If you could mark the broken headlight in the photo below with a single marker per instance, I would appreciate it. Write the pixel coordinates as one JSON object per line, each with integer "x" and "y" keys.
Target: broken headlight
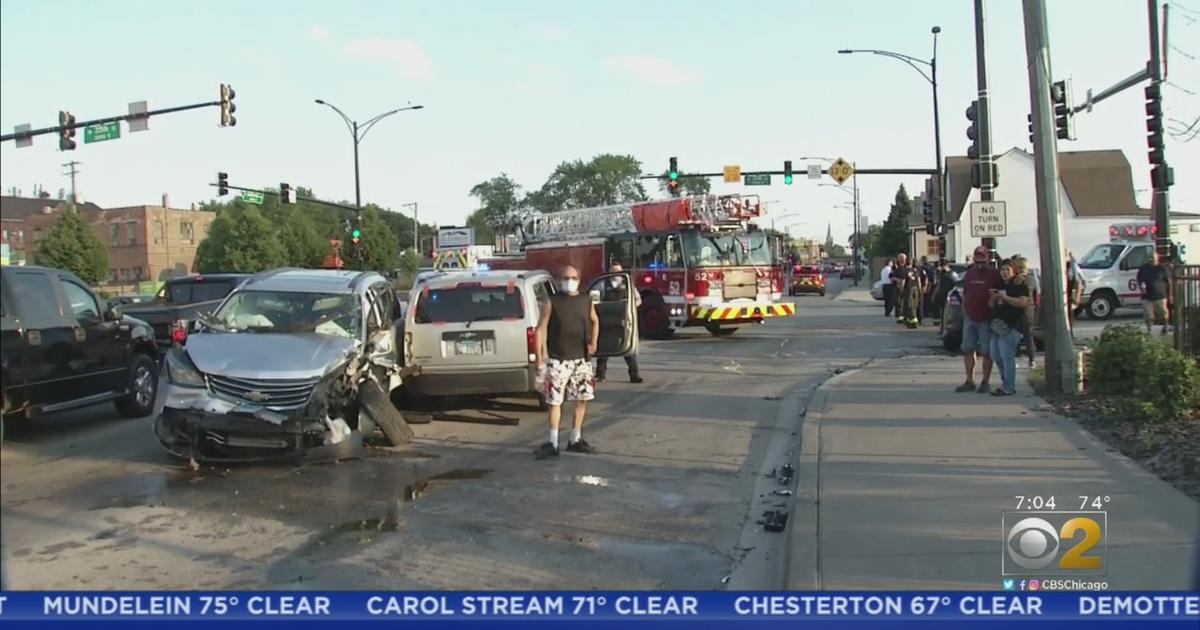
{"x": 181, "y": 371}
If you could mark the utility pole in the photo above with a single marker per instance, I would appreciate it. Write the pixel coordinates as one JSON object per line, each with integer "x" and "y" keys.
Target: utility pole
{"x": 983, "y": 113}
{"x": 857, "y": 259}
{"x": 1060, "y": 351}
{"x": 416, "y": 227}
{"x": 1160, "y": 173}
{"x": 72, "y": 172}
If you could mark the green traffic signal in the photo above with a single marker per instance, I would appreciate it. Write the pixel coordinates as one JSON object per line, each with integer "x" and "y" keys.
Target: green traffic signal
{"x": 787, "y": 179}
{"x": 356, "y": 234}
{"x": 674, "y": 175}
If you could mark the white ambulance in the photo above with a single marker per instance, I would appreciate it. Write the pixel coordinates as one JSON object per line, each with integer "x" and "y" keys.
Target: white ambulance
{"x": 1110, "y": 269}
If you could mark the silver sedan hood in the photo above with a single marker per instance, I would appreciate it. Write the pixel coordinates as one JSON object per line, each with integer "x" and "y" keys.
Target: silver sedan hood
{"x": 268, "y": 356}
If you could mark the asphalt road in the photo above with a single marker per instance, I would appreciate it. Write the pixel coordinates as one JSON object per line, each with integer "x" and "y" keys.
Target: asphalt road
{"x": 672, "y": 500}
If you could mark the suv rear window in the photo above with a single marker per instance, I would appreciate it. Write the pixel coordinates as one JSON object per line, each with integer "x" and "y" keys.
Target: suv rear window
{"x": 198, "y": 291}
{"x": 808, "y": 271}
{"x": 465, "y": 303}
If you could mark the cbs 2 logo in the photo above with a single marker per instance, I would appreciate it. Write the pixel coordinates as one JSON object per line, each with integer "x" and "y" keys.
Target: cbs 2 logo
{"x": 1033, "y": 543}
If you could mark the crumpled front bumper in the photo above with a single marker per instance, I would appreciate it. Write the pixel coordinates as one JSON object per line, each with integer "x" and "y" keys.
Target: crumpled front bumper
{"x": 194, "y": 424}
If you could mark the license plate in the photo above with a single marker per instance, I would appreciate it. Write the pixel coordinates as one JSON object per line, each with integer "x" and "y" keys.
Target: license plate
{"x": 468, "y": 347}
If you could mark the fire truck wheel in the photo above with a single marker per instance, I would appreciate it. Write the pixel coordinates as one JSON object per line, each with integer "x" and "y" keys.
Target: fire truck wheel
{"x": 654, "y": 324}
{"x": 718, "y": 331}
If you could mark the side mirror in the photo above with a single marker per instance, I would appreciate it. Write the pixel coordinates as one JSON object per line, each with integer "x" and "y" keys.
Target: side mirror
{"x": 114, "y": 312}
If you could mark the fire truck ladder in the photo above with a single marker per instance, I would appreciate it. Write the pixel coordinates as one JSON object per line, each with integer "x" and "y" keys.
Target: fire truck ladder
{"x": 602, "y": 221}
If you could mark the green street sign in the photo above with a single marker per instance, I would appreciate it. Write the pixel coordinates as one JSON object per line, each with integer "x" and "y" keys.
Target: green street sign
{"x": 102, "y": 132}
{"x": 250, "y": 196}
{"x": 758, "y": 180}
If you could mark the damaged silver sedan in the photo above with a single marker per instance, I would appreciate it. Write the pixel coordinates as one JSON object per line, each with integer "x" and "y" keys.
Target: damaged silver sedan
{"x": 293, "y": 361}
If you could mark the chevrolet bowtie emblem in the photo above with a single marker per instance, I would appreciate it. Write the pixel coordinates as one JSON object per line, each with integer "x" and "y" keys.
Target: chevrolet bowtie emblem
{"x": 258, "y": 396}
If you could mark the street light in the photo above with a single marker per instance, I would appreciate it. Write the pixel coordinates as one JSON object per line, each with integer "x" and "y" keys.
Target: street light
{"x": 931, "y": 77}
{"x": 358, "y": 132}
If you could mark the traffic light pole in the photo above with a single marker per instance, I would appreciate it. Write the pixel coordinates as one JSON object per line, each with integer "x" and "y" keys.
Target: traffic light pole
{"x": 983, "y": 112}
{"x": 1060, "y": 350}
{"x": 100, "y": 121}
{"x": 1161, "y": 202}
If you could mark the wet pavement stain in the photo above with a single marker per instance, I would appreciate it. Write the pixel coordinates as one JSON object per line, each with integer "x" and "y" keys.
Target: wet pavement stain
{"x": 462, "y": 473}
{"x": 63, "y": 546}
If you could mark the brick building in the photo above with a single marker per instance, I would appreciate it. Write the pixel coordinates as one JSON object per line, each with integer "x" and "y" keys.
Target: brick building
{"x": 144, "y": 243}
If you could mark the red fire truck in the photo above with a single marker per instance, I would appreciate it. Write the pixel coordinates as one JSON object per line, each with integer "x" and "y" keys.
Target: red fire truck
{"x": 697, "y": 261}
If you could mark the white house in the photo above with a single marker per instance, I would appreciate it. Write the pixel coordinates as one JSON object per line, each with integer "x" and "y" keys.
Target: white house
{"x": 1095, "y": 190}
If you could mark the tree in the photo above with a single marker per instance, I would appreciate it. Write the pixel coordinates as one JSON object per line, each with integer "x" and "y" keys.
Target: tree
{"x": 240, "y": 240}
{"x": 687, "y": 185}
{"x": 603, "y": 180}
{"x": 410, "y": 261}
{"x": 484, "y": 232}
{"x": 380, "y": 247}
{"x": 893, "y": 237}
{"x": 72, "y": 245}
{"x": 304, "y": 246}
{"x": 499, "y": 205}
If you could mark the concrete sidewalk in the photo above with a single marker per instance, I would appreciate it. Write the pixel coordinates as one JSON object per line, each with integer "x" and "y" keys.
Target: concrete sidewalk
{"x": 903, "y": 483}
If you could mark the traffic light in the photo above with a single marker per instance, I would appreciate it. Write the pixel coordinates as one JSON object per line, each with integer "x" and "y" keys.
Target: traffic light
{"x": 787, "y": 172}
{"x": 356, "y": 232}
{"x": 673, "y": 171}
{"x": 1031, "y": 142}
{"x": 1162, "y": 177}
{"x": 1154, "y": 126}
{"x": 222, "y": 184}
{"x": 227, "y": 107}
{"x": 286, "y": 194}
{"x": 973, "y": 130}
{"x": 1064, "y": 115}
{"x": 66, "y": 131}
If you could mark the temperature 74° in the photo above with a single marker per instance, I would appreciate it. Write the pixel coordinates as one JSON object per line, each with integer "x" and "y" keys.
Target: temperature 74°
{"x": 1095, "y": 503}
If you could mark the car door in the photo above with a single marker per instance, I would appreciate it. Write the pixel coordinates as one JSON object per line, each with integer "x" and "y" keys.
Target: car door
{"x": 103, "y": 348}
{"x": 617, "y": 311}
{"x": 1134, "y": 258}
{"x": 380, "y": 315}
{"x": 12, "y": 351}
{"x": 54, "y": 359}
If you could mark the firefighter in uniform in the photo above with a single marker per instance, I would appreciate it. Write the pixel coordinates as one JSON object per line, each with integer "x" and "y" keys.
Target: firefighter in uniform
{"x": 899, "y": 272}
{"x": 910, "y": 288}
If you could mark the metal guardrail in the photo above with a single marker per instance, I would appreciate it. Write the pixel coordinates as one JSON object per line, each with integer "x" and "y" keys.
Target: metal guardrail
{"x": 1187, "y": 310}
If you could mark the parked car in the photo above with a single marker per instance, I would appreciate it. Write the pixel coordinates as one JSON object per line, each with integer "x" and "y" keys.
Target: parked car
{"x": 174, "y": 309}
{"x": 847, "y": 272}
{"x": 293, "y": 359}
{"x": 475, "y": 333}
{"x": 63, "y": 347}
{"x": 877, "y": 290}
{"x": 807, "y": 279}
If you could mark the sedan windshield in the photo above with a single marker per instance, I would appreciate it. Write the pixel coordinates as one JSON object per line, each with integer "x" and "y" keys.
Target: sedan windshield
{"x": 1102, "y": 256}
{"x": 335, "y": 315}
{"x": 727, "y": 249}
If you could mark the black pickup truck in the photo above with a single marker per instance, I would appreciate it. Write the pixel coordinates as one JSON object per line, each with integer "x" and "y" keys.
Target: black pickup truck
{"x": 179, "y": 301}
{"x": 62, "y": 347}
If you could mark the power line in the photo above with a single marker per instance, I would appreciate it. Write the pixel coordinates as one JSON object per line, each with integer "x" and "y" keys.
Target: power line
{"x": 1183, "y": 52}
{"x": 1180, "y": 88}
{"x": 1184, "y": 8}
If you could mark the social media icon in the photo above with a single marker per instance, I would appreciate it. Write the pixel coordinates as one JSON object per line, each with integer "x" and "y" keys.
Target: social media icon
{"x": 1022, "y": 585}
{"x": 1008, "y": 584}
{"x": 1034, "y": 585}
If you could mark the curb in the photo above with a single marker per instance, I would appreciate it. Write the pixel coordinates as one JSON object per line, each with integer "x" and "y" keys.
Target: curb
{"x": 803, "y": 532}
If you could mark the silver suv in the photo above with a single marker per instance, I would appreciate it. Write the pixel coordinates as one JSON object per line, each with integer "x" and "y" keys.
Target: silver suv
{"x": 293, "y": 359}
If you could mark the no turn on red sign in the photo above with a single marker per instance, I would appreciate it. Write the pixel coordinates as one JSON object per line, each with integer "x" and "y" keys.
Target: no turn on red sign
{"x": 989, "y": 219}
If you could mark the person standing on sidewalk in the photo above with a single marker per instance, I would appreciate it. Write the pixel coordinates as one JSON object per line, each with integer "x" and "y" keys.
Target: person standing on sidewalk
{"x": 928, "y": 280}
{"x": 614, "y": 291}
{"x": 1009, "y": 302}
{"x": 978, "y": 283}
{"x": 1154, "y": 279}
{"x": 889, "y": 289}
{"x": 1030, "y": 316}
{"x": 942, "y": 288}
{"x": 1076, "y": 287}
{"x": 910, "y": 289}
{"x": 899, "y": 273}
{"x": 567, "y": 336}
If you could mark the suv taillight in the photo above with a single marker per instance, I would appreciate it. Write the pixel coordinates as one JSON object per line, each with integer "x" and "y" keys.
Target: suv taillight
{"x": 179, "y": 332}
{"x": 531, "y": 343}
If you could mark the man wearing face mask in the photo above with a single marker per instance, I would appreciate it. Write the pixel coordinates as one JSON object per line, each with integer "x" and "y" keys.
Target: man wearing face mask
{"x": 567, "y": 336}
{"x": 614, "y": 291}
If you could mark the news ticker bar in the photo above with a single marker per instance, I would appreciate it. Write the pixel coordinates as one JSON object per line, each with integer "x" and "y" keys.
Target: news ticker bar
{"x": 646, "y": 606}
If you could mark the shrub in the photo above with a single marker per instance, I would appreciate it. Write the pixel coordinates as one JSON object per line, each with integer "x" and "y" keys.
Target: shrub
{"x": 1155, "y": 381}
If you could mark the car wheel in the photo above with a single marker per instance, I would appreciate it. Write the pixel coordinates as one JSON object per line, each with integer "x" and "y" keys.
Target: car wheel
{"x": 822, "y": 292}
{"x": 142, "y": 388}
{"x": 374, "y": 402}
{"x": 1101, "y": 306}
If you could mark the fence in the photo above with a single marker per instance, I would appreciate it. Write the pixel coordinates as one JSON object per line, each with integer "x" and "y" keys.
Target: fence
{"x": 1187, "y": 310}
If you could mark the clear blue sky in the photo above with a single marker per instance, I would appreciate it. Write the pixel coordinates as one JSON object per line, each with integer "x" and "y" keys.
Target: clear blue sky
{"x": 519, "y": 86}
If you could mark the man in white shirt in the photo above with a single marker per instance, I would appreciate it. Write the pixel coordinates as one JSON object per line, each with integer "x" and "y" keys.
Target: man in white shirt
{"x": 889, "y": 289}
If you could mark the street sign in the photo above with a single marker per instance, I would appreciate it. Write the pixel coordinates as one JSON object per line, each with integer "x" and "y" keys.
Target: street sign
{"x": 140, "y": 121}
{"x": 989, "y": 219}
{"x": 252, "y": 196}
{"x": 733, "y": 173}
{"x": 24, "y": 141}
{"x": 102, "y": 132}
{"x": 840, "y": 171}
{"x": 814, "y": 171}
{"x": 758, "y": 180}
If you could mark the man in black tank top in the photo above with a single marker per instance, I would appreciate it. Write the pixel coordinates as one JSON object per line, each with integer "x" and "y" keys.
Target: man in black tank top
{"x": 567, "y": 336}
